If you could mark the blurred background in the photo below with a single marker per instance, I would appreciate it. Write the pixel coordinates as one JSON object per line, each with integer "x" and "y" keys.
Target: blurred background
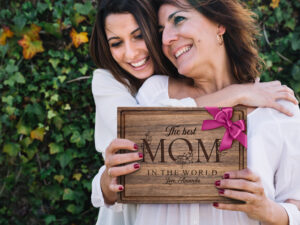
{"x": 47, "y": 158}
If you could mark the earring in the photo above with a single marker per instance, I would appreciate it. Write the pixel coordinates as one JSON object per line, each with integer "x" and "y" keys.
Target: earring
{"x": 220, "y": 39}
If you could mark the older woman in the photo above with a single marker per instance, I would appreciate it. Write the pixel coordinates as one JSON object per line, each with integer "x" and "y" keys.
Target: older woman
{"x": 213, "y": 42}
{"x": 124, "y": 42}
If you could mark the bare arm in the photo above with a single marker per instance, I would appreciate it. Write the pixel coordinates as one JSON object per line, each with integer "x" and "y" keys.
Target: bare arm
{"x": 253, "y": 95}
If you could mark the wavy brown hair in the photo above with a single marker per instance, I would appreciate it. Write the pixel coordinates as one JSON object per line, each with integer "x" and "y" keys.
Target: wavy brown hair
{"x": 240, "y": 38}
{"x": 145, "y": 14}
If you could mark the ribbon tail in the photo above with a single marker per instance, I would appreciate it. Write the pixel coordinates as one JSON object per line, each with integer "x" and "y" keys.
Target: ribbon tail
{"x": 226, "y": 142}
{"x": 210, "y": 124}
{"x": 242, "y": 138}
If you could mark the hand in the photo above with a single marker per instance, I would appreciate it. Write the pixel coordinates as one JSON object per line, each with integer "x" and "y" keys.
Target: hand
{"x": 266, "y": 94}
{"x": 246, "y": 186}
{"x": 115, "y": 168}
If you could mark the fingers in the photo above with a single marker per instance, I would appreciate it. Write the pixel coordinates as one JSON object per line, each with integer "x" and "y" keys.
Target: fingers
{"x": 232, "y": 207}
{"x": 117, "y": 159}
{"x": 285, "y": 88}
{"x": 114, "y": 187}
{"x": 123, "y": 170}
{"x": 286, "y": 96}
{"x": 246, "y": 174}
{"x": 239, "y": 184}
{"x": 283, "y": 92}
{"x": 118, "y": 144}
{"x": 238, "y": 195}
{"x": 281, "y": 109}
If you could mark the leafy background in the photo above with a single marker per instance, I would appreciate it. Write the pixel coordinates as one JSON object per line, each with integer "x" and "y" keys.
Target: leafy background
{"x": 47, "y": 158}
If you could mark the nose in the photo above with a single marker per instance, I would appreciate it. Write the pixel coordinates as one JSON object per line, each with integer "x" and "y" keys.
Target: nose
{"x": 131, "y": 50}
{"x": 169, "y": 36}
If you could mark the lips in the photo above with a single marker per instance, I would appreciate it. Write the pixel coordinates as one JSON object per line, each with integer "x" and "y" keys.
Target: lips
{"x": 182, "y": 50}
{"x": 139, "y": 63}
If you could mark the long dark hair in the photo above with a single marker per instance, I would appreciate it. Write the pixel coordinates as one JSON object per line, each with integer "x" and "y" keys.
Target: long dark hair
{"x": 240, "y": 37}
{"x": 145, "y": 14}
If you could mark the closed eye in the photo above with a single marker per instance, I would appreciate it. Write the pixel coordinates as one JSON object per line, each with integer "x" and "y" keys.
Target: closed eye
{"x": 116, "y": 44}
{"x": 140, "y": 36}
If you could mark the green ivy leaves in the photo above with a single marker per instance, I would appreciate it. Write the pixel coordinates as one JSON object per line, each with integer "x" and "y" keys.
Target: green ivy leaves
{"x": 47, "y": 155}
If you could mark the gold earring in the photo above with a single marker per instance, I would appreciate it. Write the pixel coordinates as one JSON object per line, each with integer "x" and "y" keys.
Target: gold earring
{"x": 220, "y": 39}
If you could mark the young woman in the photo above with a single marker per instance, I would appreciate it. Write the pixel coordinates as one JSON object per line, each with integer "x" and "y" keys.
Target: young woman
{"x": 125, "y": 43}
{"x": 201, "y": 39}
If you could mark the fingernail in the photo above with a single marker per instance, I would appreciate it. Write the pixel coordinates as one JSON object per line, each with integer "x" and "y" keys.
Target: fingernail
{"x": 121, "y": 188}
{"x": 218, "y": 183}
{"x": 221, "y": 191}
{"x": 215, "y": 204}
{"x": 136, "y": 166}
{"x": 226, "y": 176}
{"x": 135, "y": 146}
{"x": 140, "y": 155}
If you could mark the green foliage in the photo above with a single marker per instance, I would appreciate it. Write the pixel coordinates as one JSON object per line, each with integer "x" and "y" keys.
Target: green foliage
{"x": 280, "y": 41}
{"x": 47, "y": 158}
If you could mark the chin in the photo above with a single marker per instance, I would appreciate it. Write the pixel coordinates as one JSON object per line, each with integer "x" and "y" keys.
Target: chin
{"x": 143, "y": 75}
{"x": 186, "y": 69}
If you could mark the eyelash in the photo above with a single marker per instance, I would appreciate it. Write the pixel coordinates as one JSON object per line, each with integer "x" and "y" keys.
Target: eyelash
{"x": 178, "y": 19}
{"x": 117, "y": 44}
{"x": 140, "y": 36}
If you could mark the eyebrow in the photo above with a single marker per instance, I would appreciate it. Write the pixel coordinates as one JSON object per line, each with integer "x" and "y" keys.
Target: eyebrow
{"x": 134, "y": 31}
{"x": 173, "y": 14}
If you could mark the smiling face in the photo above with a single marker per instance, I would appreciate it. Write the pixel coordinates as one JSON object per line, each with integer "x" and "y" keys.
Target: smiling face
{"x": 189, "y": 38}
{"x": 127, "y": 45}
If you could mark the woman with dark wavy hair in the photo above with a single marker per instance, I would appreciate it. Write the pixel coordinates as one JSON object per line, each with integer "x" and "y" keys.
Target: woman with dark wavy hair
{"x": 125, "y": 44}
{"x": 213, "y": 42}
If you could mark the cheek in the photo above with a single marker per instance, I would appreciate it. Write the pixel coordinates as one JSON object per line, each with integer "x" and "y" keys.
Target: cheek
{"x": 116, "y": 54}
{"x": 166, "y": 52}
{"x": 141, "y": 45}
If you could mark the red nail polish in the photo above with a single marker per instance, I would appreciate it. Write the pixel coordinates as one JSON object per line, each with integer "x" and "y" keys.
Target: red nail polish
{"x": 141, "y": 155}
{"x": 218, "y": 183}
{"x": 136, "y": 166}
{"x": 135, "y": 146}
{"x": 215, "y": 204}
{"x": 221, "y": 191}
{"x": 120, "y": 188}
{"x": 226, "y": 176}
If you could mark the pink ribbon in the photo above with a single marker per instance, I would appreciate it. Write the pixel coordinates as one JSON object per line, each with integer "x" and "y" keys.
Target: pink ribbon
{"x": 234, "y": 130}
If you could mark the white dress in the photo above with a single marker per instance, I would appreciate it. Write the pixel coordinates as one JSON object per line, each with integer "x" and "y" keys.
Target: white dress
{"x": 273, "y": 153}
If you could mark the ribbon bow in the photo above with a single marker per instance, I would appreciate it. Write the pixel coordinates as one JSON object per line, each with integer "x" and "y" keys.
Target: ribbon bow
{"x": 234, "y": 130}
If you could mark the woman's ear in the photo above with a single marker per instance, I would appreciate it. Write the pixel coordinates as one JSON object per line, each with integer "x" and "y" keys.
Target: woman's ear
{"x": 221, "y": 29}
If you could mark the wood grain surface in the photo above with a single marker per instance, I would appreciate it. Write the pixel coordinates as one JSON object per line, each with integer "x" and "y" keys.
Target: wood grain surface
{"x": 181, "y": 162}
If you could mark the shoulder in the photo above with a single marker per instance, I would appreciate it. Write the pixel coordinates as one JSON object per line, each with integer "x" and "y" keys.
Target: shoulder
{"x": 154, "y": 88}
{"x": 155, "y": 82}
{"x": 104, "y": 82}
{"x": 102, "y": 75}
{"x": 268, "y": 116}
